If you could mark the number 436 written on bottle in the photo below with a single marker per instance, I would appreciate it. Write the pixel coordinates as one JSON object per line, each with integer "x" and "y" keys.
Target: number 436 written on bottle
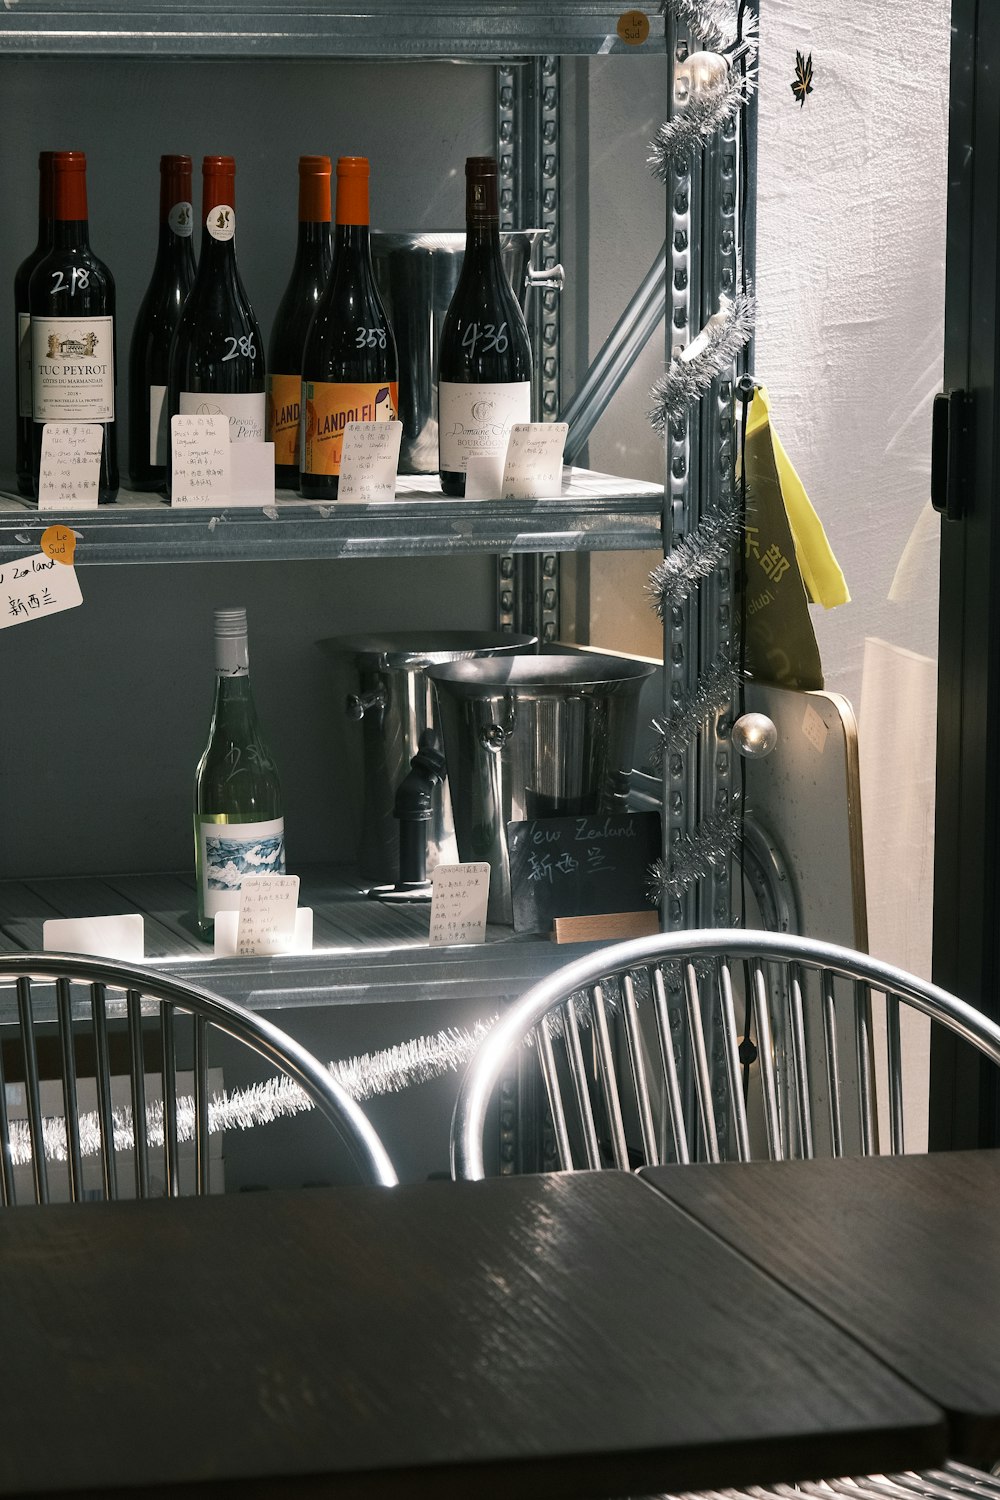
{"x": 494, "y": 338}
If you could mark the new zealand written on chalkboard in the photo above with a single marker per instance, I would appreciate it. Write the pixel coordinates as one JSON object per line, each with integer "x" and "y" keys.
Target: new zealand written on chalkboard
{"x": 580, "y": 866}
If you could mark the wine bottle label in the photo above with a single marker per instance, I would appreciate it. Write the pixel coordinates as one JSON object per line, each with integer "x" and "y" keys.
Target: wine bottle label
{"x": 231, "y": 656}
{"x": 72, "y": 369}
{"x": 284, "y": 397}
{"x": 221, "y": 222}
{"x": 23, "y": 365}
{"x": 181, "y": 220}
{"x": 245, "y": 411}
{"x": 476, "y": 420}
{"x": 330, "y": 405}
{"x": 158, "y": 428}
{"x": 231, "y": 851}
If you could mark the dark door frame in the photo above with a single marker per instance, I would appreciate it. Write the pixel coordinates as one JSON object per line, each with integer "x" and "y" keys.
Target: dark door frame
{"x": 965, "y": 1101}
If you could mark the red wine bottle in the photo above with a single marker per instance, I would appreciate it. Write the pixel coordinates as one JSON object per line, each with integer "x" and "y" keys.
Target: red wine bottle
{"x": 310, "y": 274}
{"x": 484, "y": 367}
{"x": 22, "y": 330}
{"x": 216, "y": 365}
{"x": 350, "y": 371}
{"x": 71, "y": 301}
{"x": 158, "y": 316}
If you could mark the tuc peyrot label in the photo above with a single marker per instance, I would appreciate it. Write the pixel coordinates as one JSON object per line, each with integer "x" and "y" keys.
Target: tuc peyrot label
{"x": 284, "y": 395}
{"x": 330, "y": 405}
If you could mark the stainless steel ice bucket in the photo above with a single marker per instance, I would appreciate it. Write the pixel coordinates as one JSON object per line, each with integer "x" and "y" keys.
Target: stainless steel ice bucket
{"x": 528, "y": 737}
{"x": 385, "y": 688}
{"x": 417, "y": 274}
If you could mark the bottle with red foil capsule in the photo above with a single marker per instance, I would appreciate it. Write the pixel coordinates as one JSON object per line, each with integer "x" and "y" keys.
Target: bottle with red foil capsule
{"x": 310, "y": 274}
{"x": 71, "y": 302}
{"x": 350, "y": 371}
{"x": 22, "y": 331}
{"x": 216, "y": 362}
{"x": 158, "y": 316}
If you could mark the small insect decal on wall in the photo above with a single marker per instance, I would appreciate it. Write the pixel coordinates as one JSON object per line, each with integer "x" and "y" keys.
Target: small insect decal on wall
{"x": 803, "y": 84}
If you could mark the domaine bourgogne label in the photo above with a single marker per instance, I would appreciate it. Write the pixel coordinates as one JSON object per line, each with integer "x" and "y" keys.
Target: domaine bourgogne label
{"x": 72, "y": 369}
{"x": 475, "y": 420}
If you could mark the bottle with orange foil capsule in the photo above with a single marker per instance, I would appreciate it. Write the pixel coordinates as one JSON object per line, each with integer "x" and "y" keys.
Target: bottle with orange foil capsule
{"x": 310, "y": 274}
{"x": 350, "y": 370}
{"x": 216, "y": 364}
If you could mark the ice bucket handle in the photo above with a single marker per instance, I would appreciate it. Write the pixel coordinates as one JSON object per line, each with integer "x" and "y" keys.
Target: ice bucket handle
{"x": 356, "y": 705}
{"x": 494, "y": 736}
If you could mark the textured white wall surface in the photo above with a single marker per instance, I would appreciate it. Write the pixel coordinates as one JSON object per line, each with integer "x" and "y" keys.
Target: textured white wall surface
{"x": 850, "y": 276}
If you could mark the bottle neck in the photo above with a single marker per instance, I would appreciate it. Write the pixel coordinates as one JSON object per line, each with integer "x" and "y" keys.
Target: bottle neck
{"x": 353, "y": 241}
{"x": 232, "y": 658}
{"x": 313, "y": 243}
{"x": 70, "y": 234}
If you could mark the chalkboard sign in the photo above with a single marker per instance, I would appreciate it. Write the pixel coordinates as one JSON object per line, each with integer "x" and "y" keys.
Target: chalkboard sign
{"x": 580, "y": 866}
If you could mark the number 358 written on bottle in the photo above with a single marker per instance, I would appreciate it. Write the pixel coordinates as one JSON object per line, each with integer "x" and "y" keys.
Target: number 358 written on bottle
{"x": 369, "y": 338}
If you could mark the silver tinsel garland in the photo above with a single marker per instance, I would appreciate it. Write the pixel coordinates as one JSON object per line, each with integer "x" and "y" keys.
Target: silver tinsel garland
{"x": 695, "y": 856}
{"x": 714, "y": 21}
{"x": 712, "y": 693}
{"x": 708, "y": 357}
{"x": 706, "y": 111}
{"x": 698, "y": 555}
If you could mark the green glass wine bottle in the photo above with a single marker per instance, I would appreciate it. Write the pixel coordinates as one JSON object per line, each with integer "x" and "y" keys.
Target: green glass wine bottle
{"x": 239, "y": 827}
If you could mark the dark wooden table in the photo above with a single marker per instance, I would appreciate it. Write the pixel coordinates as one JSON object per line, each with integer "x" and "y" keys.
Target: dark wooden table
{"x": 557, "y": 1335}
{"x": 903, "y": 1253}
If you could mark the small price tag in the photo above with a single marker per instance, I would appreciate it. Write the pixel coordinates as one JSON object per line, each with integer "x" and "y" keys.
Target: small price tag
{"x": 484, "y": 476}
{"x": 533, "y": 466}
{"x": 369, "y": 460}
{"x": 459, "y": 895}
{"x": 199, "y": 460}
{"x": 267, "y": 914}
{"x": 69, "y": 473}
{"x": 31, "y": 587}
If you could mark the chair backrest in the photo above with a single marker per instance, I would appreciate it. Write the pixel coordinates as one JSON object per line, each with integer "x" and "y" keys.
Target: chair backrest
{"x": 645, "y": 1050}
{"x": 66, "y": 1017}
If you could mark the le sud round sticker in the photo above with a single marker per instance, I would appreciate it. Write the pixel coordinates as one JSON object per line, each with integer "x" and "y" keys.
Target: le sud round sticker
{"x": 41, "y": 584}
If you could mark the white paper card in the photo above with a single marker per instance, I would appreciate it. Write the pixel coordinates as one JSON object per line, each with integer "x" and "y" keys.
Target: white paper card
{"x": 533, "y": 466}
{"x": 227, "y": 924}
{"x": 369, "y": 460}
{"x": 69, "y": 473}
{"x": 266, "y": 914}
{"x": 251, "y": 473}
{"x": 200, "y": 473}
{"x": 484, "y": 476}
{"x": 31, "y": 587}
{"x": 459, "y": 894}
{"x": 119, "y": 937}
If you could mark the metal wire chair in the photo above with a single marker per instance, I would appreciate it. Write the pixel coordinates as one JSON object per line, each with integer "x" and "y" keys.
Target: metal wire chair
{"x": 627, "y": 1038}
{"x": 640, "y": 1053}
{"x": 61, "y": 1012}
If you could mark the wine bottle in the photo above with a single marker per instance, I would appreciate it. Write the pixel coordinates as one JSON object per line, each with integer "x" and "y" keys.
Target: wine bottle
{"x": 238, "y": 823}
{"x": 350, "y": 370}
{"x": 484, "y": 367}
{"x": 22, "y": 364}
{"x": 158, "y": 315}
{"x": 71, "y": 302}
{"x": 216, "y": 363}
{"x": 310, "y": 273}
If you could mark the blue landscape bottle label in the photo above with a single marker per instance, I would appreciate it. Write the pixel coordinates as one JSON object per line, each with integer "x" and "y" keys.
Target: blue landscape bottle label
{"x": 230, "y": 852}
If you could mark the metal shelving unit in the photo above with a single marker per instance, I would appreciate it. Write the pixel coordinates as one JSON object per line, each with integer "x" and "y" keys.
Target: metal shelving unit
{"x": 393, "y": 30}
{"x": 594, "y": 512}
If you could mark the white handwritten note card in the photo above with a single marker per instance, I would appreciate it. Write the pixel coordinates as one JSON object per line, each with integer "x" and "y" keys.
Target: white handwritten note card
{"x": 69, "y": 473}
{"x": 251, "y": 473}
{"x": 31, "y": 587}
{"x": 533, "y": 466}
{"x": 459, "y": 894}
{"x": 484, "y": 476}
{"x": 369, "y": 460}
{"x": 107, "y": 937}
{"x": 267, "y": 914}
{"x": 199, "y": 460}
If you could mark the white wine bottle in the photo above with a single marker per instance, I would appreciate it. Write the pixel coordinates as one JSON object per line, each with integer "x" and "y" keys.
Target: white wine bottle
{"x": 239, "y": 827}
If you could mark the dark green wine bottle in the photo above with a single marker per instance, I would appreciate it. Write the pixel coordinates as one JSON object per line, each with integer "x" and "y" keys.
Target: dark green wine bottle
{"x": 350, "y": 371}
{"x": 239, "y": 824}
{"x": 484, "y": 368}
{"x": 22, "y": 365}
{"x": 158, "y": 316}
{"x": 71, "y": 302}
{"x": 310, "y": 274}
